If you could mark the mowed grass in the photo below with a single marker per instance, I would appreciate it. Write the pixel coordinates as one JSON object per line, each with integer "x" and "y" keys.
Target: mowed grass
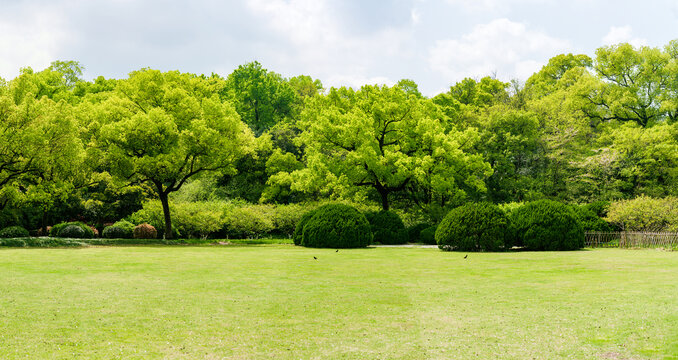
{"x": 277, "y": 302}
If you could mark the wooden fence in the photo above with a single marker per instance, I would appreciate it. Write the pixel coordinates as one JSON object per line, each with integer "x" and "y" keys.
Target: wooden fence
{"x": 626, "y": 239}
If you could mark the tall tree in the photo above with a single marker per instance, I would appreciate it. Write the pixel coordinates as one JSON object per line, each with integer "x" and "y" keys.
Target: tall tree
{"x": 384, "y": 140}
{"x": 165, "y": 128}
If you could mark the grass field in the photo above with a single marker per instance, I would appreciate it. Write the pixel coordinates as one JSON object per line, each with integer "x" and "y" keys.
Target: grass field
{"x": 277, "y": 302}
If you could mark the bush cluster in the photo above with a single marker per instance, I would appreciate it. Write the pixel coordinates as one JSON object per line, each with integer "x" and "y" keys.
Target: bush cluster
{"x": 428, "y": 235}
{"x": 85, "y": 231}
{"x": 336, "y": 226}
{"x": 589, "y": 219}
{"x": 547, "y": 225}
{"x": 387, "y": 228}
{"x": 474, "y": 227}
{"x": 414, "y": 231}
{"x": 14, "y": 232}
{"x": 145, "y": 231}
{"x": 120, "y": 230}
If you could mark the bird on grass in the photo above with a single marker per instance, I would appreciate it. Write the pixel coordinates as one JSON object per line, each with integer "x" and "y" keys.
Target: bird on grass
{"x": 315, "y": 258}
{"x": 337, "y": 250}
{"x": 465, "y": 256}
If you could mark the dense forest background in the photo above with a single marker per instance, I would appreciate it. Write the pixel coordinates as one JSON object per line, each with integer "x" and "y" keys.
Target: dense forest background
{"x": 206, "y": 147}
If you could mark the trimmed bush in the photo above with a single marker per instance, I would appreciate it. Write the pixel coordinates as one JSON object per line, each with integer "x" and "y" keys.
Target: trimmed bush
{"x": 299, "y": 231}
{"x": 336, "y": 226}
{"x": 120, "y": 230}
{"x": 589, "y": 220}
{"x": 473, "y": 227}
{"x": 13, "y": 232}
{"x": 55, "y": 231}
{"x": 145, "y": 231}
{"x": 414, "y": 231}
{"x": 387, "y": 228}
{"x": 13, "y": 242}
{"x": 73, "y": 231}
{"x": 547, "y": 225}
{"x": 428, "y": 235}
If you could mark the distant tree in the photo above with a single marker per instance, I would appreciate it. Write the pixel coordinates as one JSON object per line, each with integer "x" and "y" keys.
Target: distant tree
{"x": 261, "y": 97}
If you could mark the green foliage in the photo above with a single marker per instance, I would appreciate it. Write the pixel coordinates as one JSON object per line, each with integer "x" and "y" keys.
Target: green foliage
{"x": 414, "y": 231}
{"x": 380, "y": 141}
{"x": 336, "y": 226}
{"x": 120, "y": 230}
{"x": 13, "y": 232}
{"x": 589, "y": 219}
{"x": 249, "y": 221}
{"x": 299, "y": 230}
{"x": 428, "y": 235}
{"x": 387, "y": 228}
{"x": 72, "y": 231}
{"x": 474, "y": 227}
{"x": 84, "y": 232}
{"x": 190, "y": 219}
{"x": 145, "y": 231}
{"x": 12, "y": 242}
{"x": 547, "y": 225}
{"x": 645, "y": 213}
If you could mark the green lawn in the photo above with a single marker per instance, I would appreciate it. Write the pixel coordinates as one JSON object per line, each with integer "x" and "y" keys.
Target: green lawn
{"x": 277, "y": 302}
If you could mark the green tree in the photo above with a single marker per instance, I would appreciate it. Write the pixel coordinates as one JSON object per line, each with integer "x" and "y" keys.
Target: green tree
{"x": 261, "y": 97}
{"x": 382, "y": 139}
{"x": 165, "y": 128}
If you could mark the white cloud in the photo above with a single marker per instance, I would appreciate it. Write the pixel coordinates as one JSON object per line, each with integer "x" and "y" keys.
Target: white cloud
{"x": 492, "y": 5}
{"x": 323, "y": 47}
{"x": 622, "y": 34}
{"x": 508, "y": 48}
{"x": 31, "y": 40}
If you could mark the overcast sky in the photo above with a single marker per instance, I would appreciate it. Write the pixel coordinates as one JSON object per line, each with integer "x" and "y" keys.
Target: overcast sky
{"x": 347, "y": 42}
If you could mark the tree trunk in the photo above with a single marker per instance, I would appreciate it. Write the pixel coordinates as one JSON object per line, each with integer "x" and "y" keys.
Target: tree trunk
{"x": 384, "y": 199}
{"x": 164, "y": 199}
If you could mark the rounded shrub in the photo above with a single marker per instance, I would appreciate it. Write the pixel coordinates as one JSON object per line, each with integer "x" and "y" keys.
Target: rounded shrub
{"x": 144, "y": 231}
{"x": 428, "y": 235}
{"x": 547, "y": 225}
{"x": 299, "y": 230}
{"x": 473, "y": 227}
{"x": 414, "y": 231}
{"x": 387, "y": 228}
{"x": 14, "y": 232}
{"x": 13, "y": 242}
{"x": 589, "y": 220}
{"x": 120, "y": 230}
{"x": 336, "y": 226}
{"x": 56, "y": 230}
{"x": 73, "y": 231}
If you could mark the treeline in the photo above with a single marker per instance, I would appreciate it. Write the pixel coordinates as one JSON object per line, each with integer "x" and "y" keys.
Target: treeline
{"x": 578, "y": 131}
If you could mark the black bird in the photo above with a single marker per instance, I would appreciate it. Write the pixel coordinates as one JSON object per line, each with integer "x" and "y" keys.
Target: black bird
{"x": 466, "y": 256}
{"x": 337, "y": 250}
{"x": 315, "y": 258}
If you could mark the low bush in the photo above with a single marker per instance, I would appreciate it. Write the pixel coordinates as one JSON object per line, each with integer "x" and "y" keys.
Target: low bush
{"x": 13, "y": 242}
{"x": 589, "y": 220}
{"x": 645, "y": 214}
{"x": 120, "y": 230}
{"x": 13, "y": 232}
{"x": 428, "y": 235}
{"x": 299, "y": 231}
{"x": 248, "y": 221}
{"x": 73, "y": 231}
{"x": 547, "y": 225}
{"x": 387, "y": 228}
{"x": 145, "y": 231}
{"x": 473, "y": 227}
{"x": 336, "y": 226}
{"x": 56, "y": 230}
{"x": 414, "y": 231}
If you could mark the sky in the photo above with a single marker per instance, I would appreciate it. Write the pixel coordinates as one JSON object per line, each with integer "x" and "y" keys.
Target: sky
{"x": 342, "y": 43}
